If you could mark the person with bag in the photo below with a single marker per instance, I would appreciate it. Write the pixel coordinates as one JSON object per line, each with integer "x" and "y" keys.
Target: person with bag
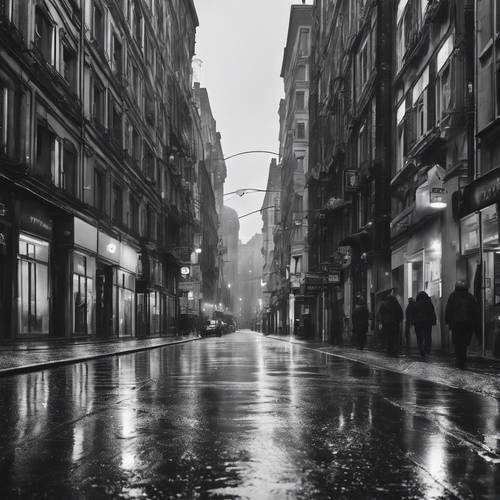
{"x": 423, "y": 319}
{"x": 360, "y": 322}
{"x": 462, "y": 316}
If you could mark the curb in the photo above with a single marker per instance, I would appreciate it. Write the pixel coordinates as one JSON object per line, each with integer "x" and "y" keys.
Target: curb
{"x": 485, "y": 385}
{"x": 44, "y": 365}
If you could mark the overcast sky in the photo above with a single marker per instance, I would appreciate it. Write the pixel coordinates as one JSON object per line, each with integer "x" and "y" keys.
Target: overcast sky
{"x": 240, "y": 43}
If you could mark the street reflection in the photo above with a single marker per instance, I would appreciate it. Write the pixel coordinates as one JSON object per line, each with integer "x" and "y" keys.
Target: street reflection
{"x": 242, "y": 416}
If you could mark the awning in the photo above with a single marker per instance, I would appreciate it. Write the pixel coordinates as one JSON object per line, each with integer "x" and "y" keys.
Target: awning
{"x": 356, "y": 239}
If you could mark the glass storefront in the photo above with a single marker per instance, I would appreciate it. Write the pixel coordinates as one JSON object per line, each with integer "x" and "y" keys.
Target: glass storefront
{"x": 83, "y": 294}
{"x": 155, "y": 312}
{"x": 488, "y": 278}
{"x": 125, "y": 284}
{"x": 33, "y": 285}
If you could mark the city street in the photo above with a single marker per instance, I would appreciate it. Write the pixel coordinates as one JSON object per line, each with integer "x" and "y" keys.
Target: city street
{"x": 242, "y": 416}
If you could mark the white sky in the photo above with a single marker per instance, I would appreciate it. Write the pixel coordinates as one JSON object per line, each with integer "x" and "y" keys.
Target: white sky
{"x": 240, "y": 43}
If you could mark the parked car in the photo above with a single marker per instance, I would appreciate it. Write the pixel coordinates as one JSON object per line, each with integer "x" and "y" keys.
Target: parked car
{"x": 209, "y": 328}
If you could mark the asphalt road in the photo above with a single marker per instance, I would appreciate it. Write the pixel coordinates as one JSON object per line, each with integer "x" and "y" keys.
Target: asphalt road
{"x": 242, "y": 416}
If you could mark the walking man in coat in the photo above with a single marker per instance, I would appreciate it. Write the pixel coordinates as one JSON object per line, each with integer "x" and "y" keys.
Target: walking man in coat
{"x": 391, "y": 315}
{"x": 461, "y": 315}
{"x": 423, "y": 318}
{"x": 360, "y": 322}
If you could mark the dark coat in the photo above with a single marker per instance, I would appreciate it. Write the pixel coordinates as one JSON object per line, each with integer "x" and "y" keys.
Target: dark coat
{"x": 409, "y": 312}
{"x": 360, "y": 317}
{"x": 462, "y": 310}
{"x": 423, "y": 314}
{"x": 390, "y": 311}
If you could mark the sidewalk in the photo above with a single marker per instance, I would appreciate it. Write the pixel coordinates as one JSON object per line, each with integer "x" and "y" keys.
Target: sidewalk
{"x": 481, "y": 376}
{"x": 20, "y": 357}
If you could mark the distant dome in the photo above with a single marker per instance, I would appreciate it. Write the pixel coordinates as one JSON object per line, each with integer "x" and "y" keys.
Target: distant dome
{"x": 230, "y": 219}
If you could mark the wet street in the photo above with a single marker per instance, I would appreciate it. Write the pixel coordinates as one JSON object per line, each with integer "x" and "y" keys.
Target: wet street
{"x": 242, "y": 416}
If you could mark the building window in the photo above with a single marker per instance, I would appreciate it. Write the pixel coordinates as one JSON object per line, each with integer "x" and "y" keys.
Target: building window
{"x": 364, "y": 64}
{"x": 117, "y": 55}
{"x": 68, "y": 62}
{"x": 115, "y": 122}
{"x": 149, "y": 163}
{"x": 98, "y": 105}
{"x": 83, "y": 294}
{"x": 98, "y": 24}
{"x": 301, "y": 130}
{"x": 301, "y": 72}
{"x": 117, "y": 204}
{"x": 44, "y": 34}
{"x": 137, "y": 28}
{"x": 150, "y": 109}
{"x": 444, "y": 68}
{"x": 303, "y": 42}
{"x": 3, "y": 117}
{"x": 400, "y": 136}
{"x": 33, "y": 285}
{"x": 300, "y": 100}
{"x": 136, "y": 146}
{"x": 363, "y": 143}
{"x": 69, "y": 168}
{"x": 99, "y": 190}
{"x": 45, "y": 150}
{"x": 420, "y": 104}
{"x": 134, "y": 214}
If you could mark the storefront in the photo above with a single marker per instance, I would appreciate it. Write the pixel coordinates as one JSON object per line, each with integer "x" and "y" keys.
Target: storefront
{"x": 33, "y": 289}
{"x": 416, "y": 266}
{"x": 480, "y": 252}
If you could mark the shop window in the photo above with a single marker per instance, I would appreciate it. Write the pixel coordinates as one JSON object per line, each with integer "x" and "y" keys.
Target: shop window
{"x": 33, "y": 286}
{"x": 99, "y": 190}
{"x": 125, "y": 284}
{"x": 83, "y": 294}
{"x": 98, "y": 102}
{"x": 68, "y": 63}
{"x": 155, "y": 313}
{"x": 44, "y": 33}
{"x": 98, "y": 24}
{"x": 117, "y": 204}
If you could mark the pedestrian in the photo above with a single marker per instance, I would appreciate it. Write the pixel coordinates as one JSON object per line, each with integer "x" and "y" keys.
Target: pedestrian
{"x": 391, "y": 315}
{"x": 423, "y": 319}
{"x": 462, "y": 317}
{"x": 408, "y": 321}
{"x": 360, "y": 322}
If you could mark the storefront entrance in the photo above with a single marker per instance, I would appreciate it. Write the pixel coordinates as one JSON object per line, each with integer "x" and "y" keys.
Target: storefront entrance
{"x": 104, "y": 300}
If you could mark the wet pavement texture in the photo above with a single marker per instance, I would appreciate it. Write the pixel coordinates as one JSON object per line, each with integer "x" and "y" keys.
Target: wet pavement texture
{"x": 242, "y": 416}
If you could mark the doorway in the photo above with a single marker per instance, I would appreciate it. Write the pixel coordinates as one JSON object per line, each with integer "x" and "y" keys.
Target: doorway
{"x": 104, "y": 300}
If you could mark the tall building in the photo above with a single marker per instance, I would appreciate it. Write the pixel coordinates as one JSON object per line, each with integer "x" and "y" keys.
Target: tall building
{"x": 433, "y": 136}
{"x": 294, "y": 155}
{"x": 228, "y": 257}
{"x": 97, "y": 165}
{"x": 249, "y": 283}
{"x": 476, "y": 242}
{"x": 350, "y": 159}
{"x": 271, "y": 275}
